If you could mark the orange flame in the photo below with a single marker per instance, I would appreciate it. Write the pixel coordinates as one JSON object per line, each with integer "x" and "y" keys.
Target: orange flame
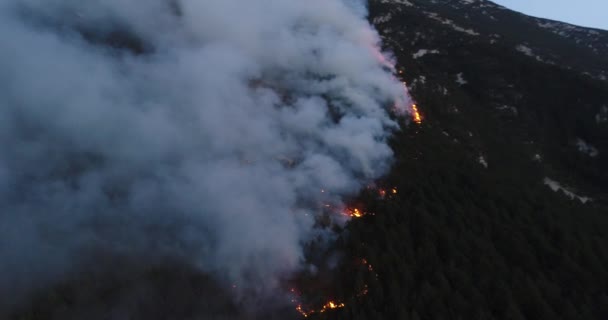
{"x": 301, "y": 311}
{"x": 355, "y": 213}
{"x": 416, "y": 114}
{"x": 383, "y": 193}
{"x": 331, "y": 305}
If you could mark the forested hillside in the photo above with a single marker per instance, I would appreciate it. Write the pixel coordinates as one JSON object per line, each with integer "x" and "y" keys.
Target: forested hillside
{"x": 496, "y": 205}
{"x": 476, "y": 231}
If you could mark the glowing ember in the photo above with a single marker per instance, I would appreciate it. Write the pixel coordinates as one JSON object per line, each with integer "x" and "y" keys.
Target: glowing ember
{"x": 382, "y": 193}
{"x": 363, "y": 292}
{"x": 416, "y": 114}
{"x": 353, "y": 213}
{"x": 331, "y": 305}
{"x": 369, "y": 266}
{"x": 301, "y": 311}
{"x": 306, "y": 310}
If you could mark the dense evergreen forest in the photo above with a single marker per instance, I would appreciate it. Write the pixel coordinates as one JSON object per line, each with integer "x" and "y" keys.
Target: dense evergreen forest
{"x": 474, "y": 233}
{"x": 458, "y": 243}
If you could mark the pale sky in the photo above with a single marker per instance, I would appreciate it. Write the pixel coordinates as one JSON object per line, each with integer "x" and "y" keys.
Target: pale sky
{"x": 588, "y": 13}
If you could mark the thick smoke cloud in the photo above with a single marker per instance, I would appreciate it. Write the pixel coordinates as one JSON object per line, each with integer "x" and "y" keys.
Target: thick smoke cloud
{"x": 203, "y": 130}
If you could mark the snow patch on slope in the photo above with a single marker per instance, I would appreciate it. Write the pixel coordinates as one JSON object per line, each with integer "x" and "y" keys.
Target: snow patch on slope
{"x": 557, "y": 187}
{"x": 383, "y": 19}
{"x": 602, "y": 116}
{"x": 586, "y": 148}
{"x": 403, "y": 2}
{"x": 451, "y": 23}
{"x": 529, "y": 52}
{"x": 460, "y": 79}
{"x": 482, "y": 160}
{"x": 422, "y": 52}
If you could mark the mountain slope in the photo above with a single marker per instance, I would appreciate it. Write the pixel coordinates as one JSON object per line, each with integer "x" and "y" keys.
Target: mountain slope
{"x": 501, "y": 209}
{"x": 498, "y": 69}
{"x": 502, "y": 188}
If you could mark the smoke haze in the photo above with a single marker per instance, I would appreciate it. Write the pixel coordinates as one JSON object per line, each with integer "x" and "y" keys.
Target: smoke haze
{"x": 203, "y": 130}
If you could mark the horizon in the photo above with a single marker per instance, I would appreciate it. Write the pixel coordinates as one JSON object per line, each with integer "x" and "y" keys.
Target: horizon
{"x": 587, "y": 13}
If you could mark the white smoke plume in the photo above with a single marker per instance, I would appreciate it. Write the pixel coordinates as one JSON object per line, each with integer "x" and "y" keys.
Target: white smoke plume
{"x": 201, "y": 129}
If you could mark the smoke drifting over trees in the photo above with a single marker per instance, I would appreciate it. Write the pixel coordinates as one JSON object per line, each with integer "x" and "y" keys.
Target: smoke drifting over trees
{"x": 200, "y": 130}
